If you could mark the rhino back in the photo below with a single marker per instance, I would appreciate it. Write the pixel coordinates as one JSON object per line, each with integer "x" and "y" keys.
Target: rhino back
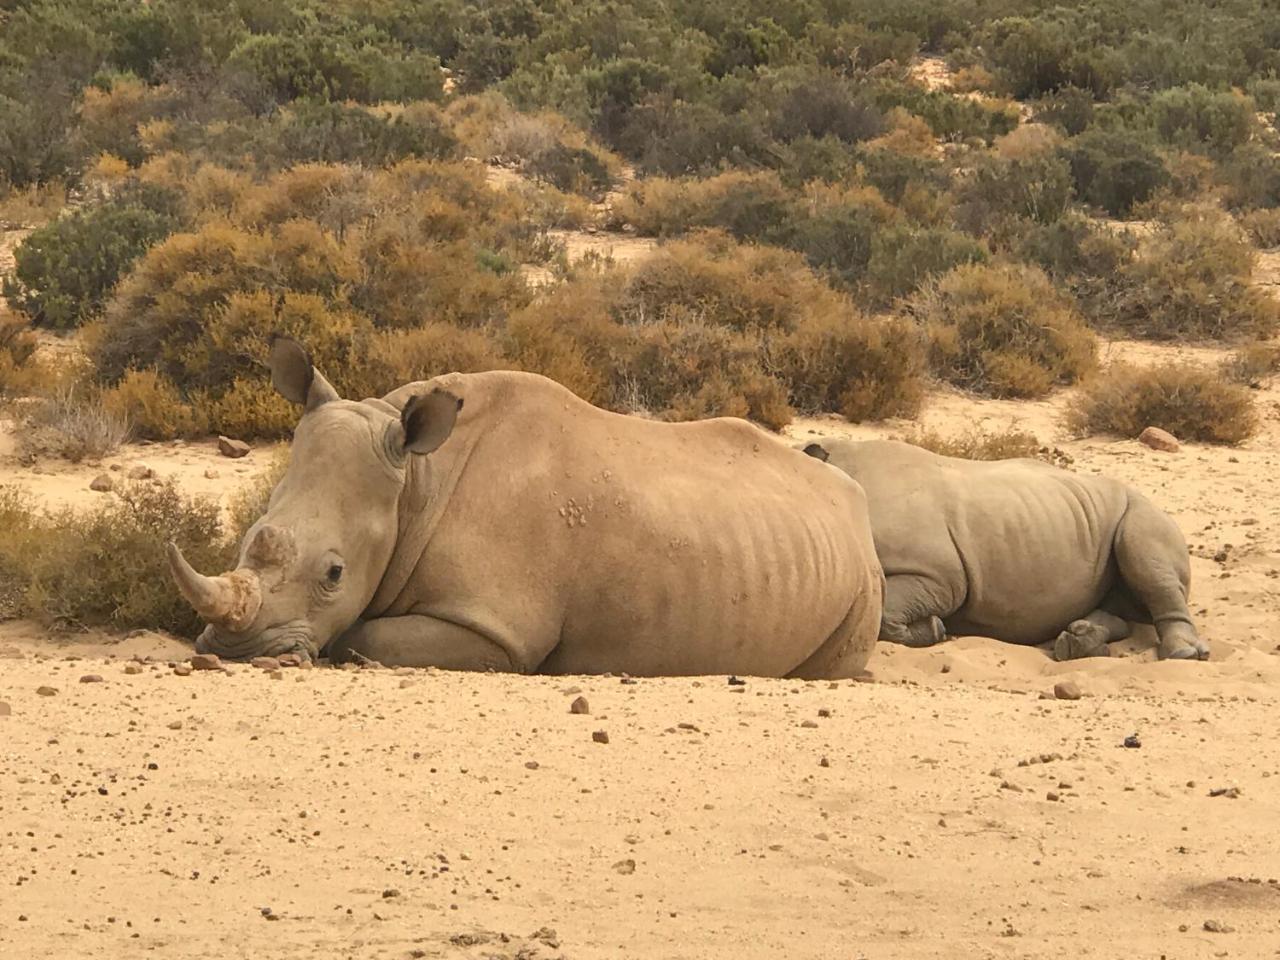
{"x": 593, "y": 539}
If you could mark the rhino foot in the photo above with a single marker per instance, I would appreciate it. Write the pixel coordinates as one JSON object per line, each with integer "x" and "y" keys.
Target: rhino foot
{"x": 1183, "y": 646}
{"x": 1082, "y": 639}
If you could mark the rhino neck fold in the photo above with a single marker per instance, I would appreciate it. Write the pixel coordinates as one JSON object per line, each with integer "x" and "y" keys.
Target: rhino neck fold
{"x": 429, "y": 484}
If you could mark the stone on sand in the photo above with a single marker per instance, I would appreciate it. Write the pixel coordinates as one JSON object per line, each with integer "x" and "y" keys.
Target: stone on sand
{"x": 1158, "y": 439}
{"x": 235, "y": 449}
{"x": 1066, "y": 690}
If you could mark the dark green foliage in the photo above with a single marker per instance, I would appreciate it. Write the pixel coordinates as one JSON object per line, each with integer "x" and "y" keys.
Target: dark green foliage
{"x": 904, "y": 257}
{"x": 1195, "y": 116}
{"x": 1114, "y": 170}
{"x": 66, "y": 269}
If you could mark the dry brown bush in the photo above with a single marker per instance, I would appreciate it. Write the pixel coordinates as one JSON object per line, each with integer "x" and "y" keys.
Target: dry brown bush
{"x": 1263, "y": 227}
{"x": 1253, "y": 364}
{"x": 1191, "y": 402}
{"x": 1004, "y": 331}
{"x": 153, "y": 407}
{"x": 75, "y": 425}
{"x": 1192, "y": 279}
{"x": 980, "y": 445}
{"x": 863, "y": 368}
{"x": 19, "y": 371}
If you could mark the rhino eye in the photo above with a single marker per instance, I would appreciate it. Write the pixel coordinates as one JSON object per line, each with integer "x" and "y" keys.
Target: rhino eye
{"x": 335, "y": 573}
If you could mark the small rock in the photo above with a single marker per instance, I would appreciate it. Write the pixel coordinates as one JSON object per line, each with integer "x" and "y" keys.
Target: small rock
{"x": 625, "y": 867}
{"x": 206, "y": 661}
{"x": 600, "y": 736}
{"x": 1216, "y": 926}
{"x": 133, "y": 668}
{"x": 1231, "y": 793}
{"x": 46, "y": 691}
{"x": 1132, "y": 741}
{"x": 735, "y": 682}
{"x": 390, "y": 894}
{"x": 1007, "y": 785}
{"x": 91, "y": 678}
{"x": 175, "y": 724}
{"x": 824, "y": 762}
{"x": 235, "y": 449}
{"x": 211, "y": 474}
{"x": 1158, "y": 439}
{"x": 406, "y": 682}
{"x": 824, "y": 712}
{"x": 580, "y": 705}
{"x": 1066, "y": 690}
{"x": 1051, "y": 797}
{"x": 277, "y": 675}
{"x": 531, "y": 764}
{"x": 140, "y": 471}
{"x": 103, "y": 483}
{"x": 810, "y": 724}
{"x": 265, "y": 663}
{"x": 182, "y": 669}
{"x": 5, "y": 709}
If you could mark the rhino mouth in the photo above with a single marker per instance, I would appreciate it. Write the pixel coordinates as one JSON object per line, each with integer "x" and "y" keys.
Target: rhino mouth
{"x": 288, "y": 638}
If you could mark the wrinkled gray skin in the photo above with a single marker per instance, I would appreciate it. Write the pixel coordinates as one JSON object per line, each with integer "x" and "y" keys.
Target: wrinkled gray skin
{"x": 1017, "y": 550}
{"x": 496, "y": 521}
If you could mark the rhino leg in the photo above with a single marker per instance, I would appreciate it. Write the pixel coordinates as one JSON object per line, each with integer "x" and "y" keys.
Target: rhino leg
{"x": 1152, "y": 557}
{"x": 420, "y": 641}
{"x": 1089, "y": 636}
{"x": 912, "y": 612}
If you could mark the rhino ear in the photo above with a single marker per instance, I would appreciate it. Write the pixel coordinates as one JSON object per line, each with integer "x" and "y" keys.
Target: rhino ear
{"x": 817, "y": 450}
{"x": 428, "y": 419}
{"x": 294, "y": 376}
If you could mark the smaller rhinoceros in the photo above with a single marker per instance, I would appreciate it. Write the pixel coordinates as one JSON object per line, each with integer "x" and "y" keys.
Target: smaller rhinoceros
{"x": 1017, "y": 550}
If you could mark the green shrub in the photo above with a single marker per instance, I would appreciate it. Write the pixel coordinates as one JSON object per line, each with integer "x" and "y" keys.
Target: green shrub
{"x": 1114, "y": 170}
{"x": 1070, "y": 109}
{"x": 1196, "y": 116}
{"x": 904, "y": 257}
{"x": 107, "y": 568}
{"x": 1250, "y": 177}
{"x": 1003, "y": 331}
{"x": 1192, "y": 279}
{"x": 1189, "y": 401}
{"x": 65, "y": 270}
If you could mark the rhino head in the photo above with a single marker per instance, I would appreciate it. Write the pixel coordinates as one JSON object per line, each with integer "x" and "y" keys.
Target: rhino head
{"x": 311, "y": 565}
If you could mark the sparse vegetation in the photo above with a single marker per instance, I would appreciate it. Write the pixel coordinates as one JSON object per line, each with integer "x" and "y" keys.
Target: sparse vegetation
{"x": 1252, "y": 365}
{"x": 74, "y": 426}
{"x": 105, "y": 567}
{"x": 1191, "y": 402}
{"x": 978, "y": 444}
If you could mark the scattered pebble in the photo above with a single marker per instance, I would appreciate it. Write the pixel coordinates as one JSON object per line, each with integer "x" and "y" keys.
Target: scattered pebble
{"x": 625, "y": 867}
{"x": 390, "y": 893}
{"x": 1216, "y": 926}
{"x": 133, "y": 668}
{"x": 206, "y": 661}
{"x": 580, "y": 705}
{"x": 47, "y": 691}
{"x": 1132, "y": 741}
{"x": 600, "y": 736}
{"x": 182, "y": 669}
{"x": 211, "y": 474}
{"x": 265, "y": 663}
{"x": 810, "y": 724}
{"x": 140, "y": 471}
{"x": 531, "y": 764}
{"x": 735, "y": 682}
{"x": 1066, "y": 690}
{"x": 235, "y": 449}
{"x": 5, "y": 709}
{"x": 103, "y": 483}
{"x": 175, "y": 724}
{"x": 91, "y": 678}
{"x": 1231, "y": 793}
{"x": 1158, "y": 439}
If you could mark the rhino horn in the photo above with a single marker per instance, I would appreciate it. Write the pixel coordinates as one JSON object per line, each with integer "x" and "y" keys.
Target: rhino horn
{"x": 231, "y": 600}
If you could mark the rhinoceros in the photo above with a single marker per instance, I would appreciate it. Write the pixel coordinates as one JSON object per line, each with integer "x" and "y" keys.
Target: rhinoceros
{"x": 496, "y": 521}
{"x": 1017, "y": 550}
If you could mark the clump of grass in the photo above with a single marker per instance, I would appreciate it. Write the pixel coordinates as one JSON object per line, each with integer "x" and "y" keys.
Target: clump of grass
{"x": 75, "y": 425}
{"x": 106, "y": 568}
{"x": 1252, "y": 365}
{"x": 978, "y": 445}
{"x": 1191, "y": 402}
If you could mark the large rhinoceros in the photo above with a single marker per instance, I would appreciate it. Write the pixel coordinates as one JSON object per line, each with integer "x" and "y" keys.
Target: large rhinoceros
{"x": 496, "y": 521}
{"x": 1017, "y": 550}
